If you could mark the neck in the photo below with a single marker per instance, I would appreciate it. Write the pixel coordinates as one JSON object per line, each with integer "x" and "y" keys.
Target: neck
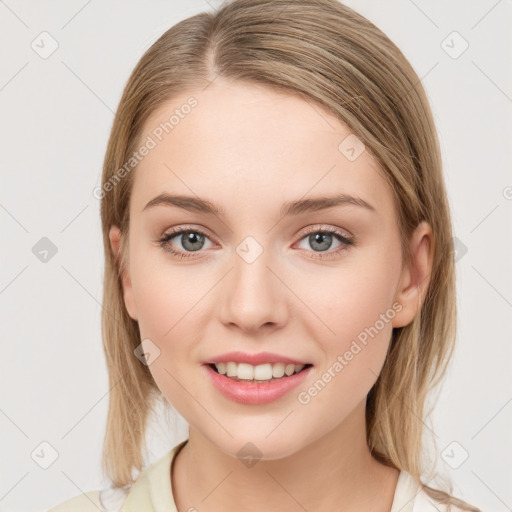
{"x": 336, "y": 471}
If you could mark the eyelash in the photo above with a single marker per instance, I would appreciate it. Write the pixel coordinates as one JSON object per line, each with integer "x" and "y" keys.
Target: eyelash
{"x": 346, "y": 242}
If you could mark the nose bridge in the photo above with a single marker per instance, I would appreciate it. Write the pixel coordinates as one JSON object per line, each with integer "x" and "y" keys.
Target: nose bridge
{"x": 253, "y": 296}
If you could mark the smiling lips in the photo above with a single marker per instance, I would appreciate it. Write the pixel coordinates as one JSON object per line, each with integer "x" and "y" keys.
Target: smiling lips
{"x": 254, "y": 359}
{"x": 253, "y": 392}
{"x": 254, "y": 379}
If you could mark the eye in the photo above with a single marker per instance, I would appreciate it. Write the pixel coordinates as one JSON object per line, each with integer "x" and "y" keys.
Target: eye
{"x": 322, "y": 239}
{"x": 191, "y": 240}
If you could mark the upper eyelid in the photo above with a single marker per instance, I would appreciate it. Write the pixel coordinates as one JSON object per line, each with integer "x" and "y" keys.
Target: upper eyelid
{"x": 328, "y": 228}
{"x": 180, "y": 229}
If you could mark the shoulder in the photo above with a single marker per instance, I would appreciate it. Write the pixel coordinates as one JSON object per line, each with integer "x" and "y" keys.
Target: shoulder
{"x": 105, "y": 500}
{"x": 425, "y": 503}
{"x": 85, "y": 502}
{"x": 152, "y": 484}
{"x": 411, "y": 495}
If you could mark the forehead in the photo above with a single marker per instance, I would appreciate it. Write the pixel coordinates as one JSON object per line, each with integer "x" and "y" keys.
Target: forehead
{"x": 243, "y": 141}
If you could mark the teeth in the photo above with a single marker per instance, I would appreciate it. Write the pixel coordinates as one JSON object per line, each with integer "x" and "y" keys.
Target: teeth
{"x": 267, "y": 371}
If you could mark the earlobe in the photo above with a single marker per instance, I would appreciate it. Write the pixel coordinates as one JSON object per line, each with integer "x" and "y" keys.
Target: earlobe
{"x": 415, "y": 278}
{"x": 115, "y": 241}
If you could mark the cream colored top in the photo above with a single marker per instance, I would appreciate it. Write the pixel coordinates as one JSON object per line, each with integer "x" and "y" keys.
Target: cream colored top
{"x": 152, "y": 492}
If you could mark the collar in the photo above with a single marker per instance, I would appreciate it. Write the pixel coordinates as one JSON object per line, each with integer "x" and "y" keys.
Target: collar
{"x": 152, "y": 491}
{"x": 405, "y": 493}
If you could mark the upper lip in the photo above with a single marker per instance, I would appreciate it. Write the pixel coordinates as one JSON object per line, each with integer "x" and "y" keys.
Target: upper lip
{"x": 254, "y": 359}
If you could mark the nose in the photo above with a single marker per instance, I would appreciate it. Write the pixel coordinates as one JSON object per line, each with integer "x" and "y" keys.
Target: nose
{"x": 254, "y": 296}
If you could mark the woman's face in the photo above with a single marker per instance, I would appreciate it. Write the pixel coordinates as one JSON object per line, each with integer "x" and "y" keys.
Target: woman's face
{"x": 258, "y": 276}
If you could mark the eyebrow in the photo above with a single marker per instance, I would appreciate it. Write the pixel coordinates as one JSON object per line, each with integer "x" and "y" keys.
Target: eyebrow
{"x": 198, "y": 205}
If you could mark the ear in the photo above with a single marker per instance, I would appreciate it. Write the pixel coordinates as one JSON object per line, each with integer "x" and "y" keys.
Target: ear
{"x": 415, "y": 278}
{"x": 115, "y": 239}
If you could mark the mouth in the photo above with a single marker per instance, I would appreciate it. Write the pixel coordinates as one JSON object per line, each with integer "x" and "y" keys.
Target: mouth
{"x": 275, "y": 376}
{"x": 262, "y": 384}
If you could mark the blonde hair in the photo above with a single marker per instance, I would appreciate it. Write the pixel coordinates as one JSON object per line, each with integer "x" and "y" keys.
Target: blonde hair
{"x": 323, "y": 51}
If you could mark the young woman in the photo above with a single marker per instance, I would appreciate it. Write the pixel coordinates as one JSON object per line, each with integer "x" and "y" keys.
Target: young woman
{"x": 279, "y": 267}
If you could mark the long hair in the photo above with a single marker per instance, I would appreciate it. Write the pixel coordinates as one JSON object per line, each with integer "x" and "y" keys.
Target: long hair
{"x": 324, "y": 52}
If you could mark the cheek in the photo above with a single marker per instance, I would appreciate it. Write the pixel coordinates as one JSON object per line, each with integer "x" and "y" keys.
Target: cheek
{"x": 351, "y": 309}
{"x": 172, "y": 303}
{"x": 354, "y": 335}
{"x": 155, "y": 304}
{"x": 163, "y": 293}
{"x": 166, "y": 303}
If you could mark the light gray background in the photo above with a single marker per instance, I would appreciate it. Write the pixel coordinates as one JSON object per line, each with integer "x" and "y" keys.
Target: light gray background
{"x": 56, "y": 117}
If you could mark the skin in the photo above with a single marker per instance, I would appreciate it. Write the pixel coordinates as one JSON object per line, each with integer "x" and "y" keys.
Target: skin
{"x": 249, "y": 148}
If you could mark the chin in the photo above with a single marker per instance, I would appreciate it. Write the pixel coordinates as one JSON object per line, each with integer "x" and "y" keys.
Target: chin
{"x": 252, "y": 448}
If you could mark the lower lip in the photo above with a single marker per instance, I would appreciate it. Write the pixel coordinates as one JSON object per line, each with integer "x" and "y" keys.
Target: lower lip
{"x": 255, "y": 393}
